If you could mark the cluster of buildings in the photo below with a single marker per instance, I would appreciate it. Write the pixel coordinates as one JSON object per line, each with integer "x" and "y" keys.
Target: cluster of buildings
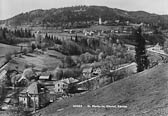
{"x": 101, "y": 30}
{"x": 35, "y": 90}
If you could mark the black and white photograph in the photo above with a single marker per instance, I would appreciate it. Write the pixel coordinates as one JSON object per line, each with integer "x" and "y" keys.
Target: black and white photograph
{"x": 83, "y": 57}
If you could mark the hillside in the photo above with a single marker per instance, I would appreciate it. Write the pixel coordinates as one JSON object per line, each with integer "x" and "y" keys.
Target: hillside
{"x": 144, "y": 94}
{"x": 82, "y": 16}
{"x": 4, "y": 49}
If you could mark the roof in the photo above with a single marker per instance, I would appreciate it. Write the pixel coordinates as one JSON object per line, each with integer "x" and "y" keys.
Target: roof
{"x": 87, "y": 70}
{"x": 70, "y": 80}
{"x": 31, "y": 89}
{"x": 60, "y": 81}
{"x": 44, "y": 77}
{"x": 7, "y": 100}
{"x": 47, "y": 73}
{"x": 3, "y": 74}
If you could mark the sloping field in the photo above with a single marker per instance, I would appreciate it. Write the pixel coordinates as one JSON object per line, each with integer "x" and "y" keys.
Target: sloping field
{"x": 4, "y": 49}
{"x": 7, "y": 48}
{"x": 144, "y": 94}
{"x": 39, "y": 61}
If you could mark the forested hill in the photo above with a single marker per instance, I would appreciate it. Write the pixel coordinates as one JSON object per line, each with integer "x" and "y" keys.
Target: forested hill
{"x": 82, "y": 16}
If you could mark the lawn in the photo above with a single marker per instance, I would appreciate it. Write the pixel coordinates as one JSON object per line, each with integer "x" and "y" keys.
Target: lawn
{"x": 39, "y": 61}
{"x": 4, "y": 49}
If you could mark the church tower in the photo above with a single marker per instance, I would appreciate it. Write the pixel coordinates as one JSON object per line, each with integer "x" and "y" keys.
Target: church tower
{"x": 100, "y": 21}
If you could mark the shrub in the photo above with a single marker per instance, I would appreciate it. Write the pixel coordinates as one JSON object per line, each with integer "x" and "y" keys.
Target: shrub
{"x": 26, "y": 66}
{"x": 69, "y": 61}
{"x": 25, "y": 51}
{"x": 88, "y": 58}
{"x": 8, "y": 57}
{"x": 44, "y": 69}
{"x": 15, "y": 53}
{"x": 33, "y": 46}
{"x": 71, "y": 48}
{"x": 71, "y": 72}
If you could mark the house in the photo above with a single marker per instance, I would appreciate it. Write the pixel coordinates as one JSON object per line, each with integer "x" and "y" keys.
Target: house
{"x": 157, "y": 47}
{"x": 91, "y": 33}
{"x": 130, "y": 47}
{"x": 97, "y": 71}
{"x": 117, "y": 21}
{"x": 38, "y": 51}
{"x": 87, "y": 72}
{"x": 34, "y": 96}
{"x": 62, "y": 85}
{"x": 53, "y": 95}
{"x": 70, "y": 80}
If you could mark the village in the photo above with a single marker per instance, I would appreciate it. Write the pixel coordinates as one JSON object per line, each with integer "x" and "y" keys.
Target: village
{"x": 56, "y": 64}
{"x": 35, "y": 89}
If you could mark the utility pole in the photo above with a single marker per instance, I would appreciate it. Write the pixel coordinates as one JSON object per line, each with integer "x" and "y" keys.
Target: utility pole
{"x": 34, "y": 102}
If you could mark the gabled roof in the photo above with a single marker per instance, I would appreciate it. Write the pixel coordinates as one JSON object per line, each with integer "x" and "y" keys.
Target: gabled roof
{"x": 3, "y": 74}
{"x": 87, "y": 70}
{"x": 60, "y": 81}
{"x": 70, "y": 80}
{"x": 157, "y": 44}
{"x": 31, "y": 89}
{"x": 7, "y": 100}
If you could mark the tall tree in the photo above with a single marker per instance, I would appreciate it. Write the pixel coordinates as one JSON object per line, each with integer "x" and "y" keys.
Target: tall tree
{"x": 141, "y": 57}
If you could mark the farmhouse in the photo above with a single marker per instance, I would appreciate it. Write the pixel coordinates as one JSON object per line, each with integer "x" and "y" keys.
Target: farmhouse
{"x": 87, "y": 72}
{"x": 97, "y": 71}
{"x": 62, "y": 85}
{"x": 38, "y": 51}
{"x": 34, "y": 96}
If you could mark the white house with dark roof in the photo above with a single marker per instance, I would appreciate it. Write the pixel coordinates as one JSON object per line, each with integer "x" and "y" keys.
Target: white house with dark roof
{"x": 62, "y": 85}
{"x": 59, "y": 86}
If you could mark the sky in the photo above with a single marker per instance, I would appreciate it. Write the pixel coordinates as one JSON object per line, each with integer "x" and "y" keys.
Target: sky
{"x": 10, "y": 8}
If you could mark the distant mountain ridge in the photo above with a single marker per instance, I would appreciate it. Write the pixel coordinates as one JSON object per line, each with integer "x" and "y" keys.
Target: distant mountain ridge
{"x": 83, "y": 15}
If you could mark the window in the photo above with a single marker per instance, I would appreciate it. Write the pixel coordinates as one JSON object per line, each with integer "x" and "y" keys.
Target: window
{"x": 58, "y": 85}
{"x": 58, "y": 90}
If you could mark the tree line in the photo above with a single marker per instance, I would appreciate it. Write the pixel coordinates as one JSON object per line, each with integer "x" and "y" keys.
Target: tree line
{"x": 11, "y": 37}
